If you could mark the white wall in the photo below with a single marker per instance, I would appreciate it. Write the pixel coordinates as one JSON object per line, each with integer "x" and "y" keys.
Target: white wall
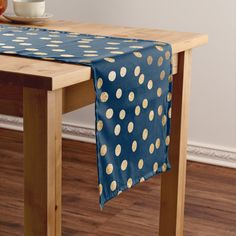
{"x": 213, "y": 91}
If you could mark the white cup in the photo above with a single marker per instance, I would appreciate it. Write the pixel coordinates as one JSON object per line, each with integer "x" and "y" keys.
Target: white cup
{"x": 29, "y": 8}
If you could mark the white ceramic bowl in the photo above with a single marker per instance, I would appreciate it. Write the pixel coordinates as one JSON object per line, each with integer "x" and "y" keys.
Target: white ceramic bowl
{"x": 29, "y": 8}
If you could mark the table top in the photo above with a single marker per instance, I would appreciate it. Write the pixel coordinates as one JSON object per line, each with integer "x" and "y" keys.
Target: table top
{"x": 48, "y": 75}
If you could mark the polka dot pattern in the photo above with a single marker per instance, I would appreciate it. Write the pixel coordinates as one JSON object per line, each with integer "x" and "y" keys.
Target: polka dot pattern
{"x": 133, "y": 84}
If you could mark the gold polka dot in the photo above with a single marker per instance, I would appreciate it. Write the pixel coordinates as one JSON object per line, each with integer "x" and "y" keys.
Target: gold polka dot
{"x": 122, "y": 114}
{"x": 109, "y": 169}
{"x": 169, "y": 97}
{"x": 117, "y": 129}
{"x": 129, "y": 183}
{"x": 90, "y": 51}
{"x": 145, "y": 134}
{"x": 141, "y": 79}
{"x": 130, "y": 127}
{"x": 111, "y": 48}
{"x": 160, "y": 48}
{"x": 123, "y": 71}
{"x": 67, "y": 55}
{"x": 82, "y": 41}
{"x": 84, "y": 46}
{"x": 167, "y": 55}
{"x": 43, "y": 38}
{"x": 119, "y": 93}
{"x": 104, "y": 96}
{"x": 151, "y": 115}
{"x": 113, "y": 185}
{"x": 159, "y": 110}
{"x": 150, "y": 84}
{"x": 170, "y": 78}
{"x": 117, "y": 52}
{"x": 84, "y": 61}
{"x": 162, "y": 75}
{"x": 159, "y": 92}
{"x": 160, "y": 61}
{"x": 99, "y": 125}
{"x": 149, "y": 60}
{"x": 164, "y": 120}
{"x": 145, "y": 103}
{"x": 131, "y": 96}
{"x": 8, "y": 34}
{"x": 108, "y": 59}
{"x": 58, "y": 50}
{"x": 167, "y": 140}
{"x": 158, "y": 143}
{"x": 49, "y": 59}
{"x": 140, "y": 164}
{"x": 136, "y": 47}
{"x": 26, "y": 44}
{"x": 151, "y": 148}
{"x": 31, "y": 33}
{"x": 113, "y": 43}
{"x": 24, "y": 38}
{"x": 54, "y": 41}
{"x": 9, "y": 52}
{"x": 52, "y": 45}
{"x": 129, "y": 41}
{"x": 109, "y": 113}
{"x": 137, "y": 70}
{"x": 31, "y": 49}
{"x": 90, "y": 55}
{"x": 137, "y": 110}
{"x": 99, "y": 83}
{"x": 118, "y": 150}
{"x": 164, "y": 167}
{"x": 100, "y": 189}
{"x": 103, "y": 150}
{"x": 134, "y": 146}
{"x": 18, "y": 40}
{"x": 138, "y": 54}
{"x": 40, "y": 53}
{"x": 89, "y": 40}
{"x": 155, "y": 167}
{"x": 169, "y": 113}
{"x": 124, "y": 165}
{"x": 142, "y": 180}
{"x": 112, "y": 76}
{"x": 8, "y": 47}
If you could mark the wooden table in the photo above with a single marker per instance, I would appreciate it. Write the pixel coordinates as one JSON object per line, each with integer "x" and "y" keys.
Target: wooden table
{"x": 41, "y": 91}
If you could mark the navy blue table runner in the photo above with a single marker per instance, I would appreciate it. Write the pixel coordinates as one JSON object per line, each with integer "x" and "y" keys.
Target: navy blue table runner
{"x": 133, "y": 84}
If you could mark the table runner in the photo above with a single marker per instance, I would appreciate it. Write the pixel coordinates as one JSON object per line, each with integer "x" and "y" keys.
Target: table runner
{"x": 133, "y": 84}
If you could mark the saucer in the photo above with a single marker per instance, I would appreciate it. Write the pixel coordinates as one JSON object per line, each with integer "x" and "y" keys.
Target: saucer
{"x": 20, "y": 19}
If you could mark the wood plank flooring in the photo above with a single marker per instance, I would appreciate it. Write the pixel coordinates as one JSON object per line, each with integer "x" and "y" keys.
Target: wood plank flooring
{"x": 210, "y": 200}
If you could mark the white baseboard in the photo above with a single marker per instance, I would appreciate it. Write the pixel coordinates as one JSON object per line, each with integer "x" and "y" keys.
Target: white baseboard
{"x": 196, "y": 152}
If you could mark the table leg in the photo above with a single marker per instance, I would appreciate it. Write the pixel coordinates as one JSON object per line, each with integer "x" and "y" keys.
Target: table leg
{"x": 173, "y": 182}
{"x": 42, "y": 162}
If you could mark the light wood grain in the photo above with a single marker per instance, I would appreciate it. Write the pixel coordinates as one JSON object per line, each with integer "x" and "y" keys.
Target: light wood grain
{"x": 77, "y": 96}
{"x": 173, "y": 183}
{"x": 48, "y": 75}
{"x": 74, "y": 96}
{"x": 11, "y": 100}
{"x": 42, "y": 162}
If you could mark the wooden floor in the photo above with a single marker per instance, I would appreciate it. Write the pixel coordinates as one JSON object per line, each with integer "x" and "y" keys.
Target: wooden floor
{"x": 210, "y": 203}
